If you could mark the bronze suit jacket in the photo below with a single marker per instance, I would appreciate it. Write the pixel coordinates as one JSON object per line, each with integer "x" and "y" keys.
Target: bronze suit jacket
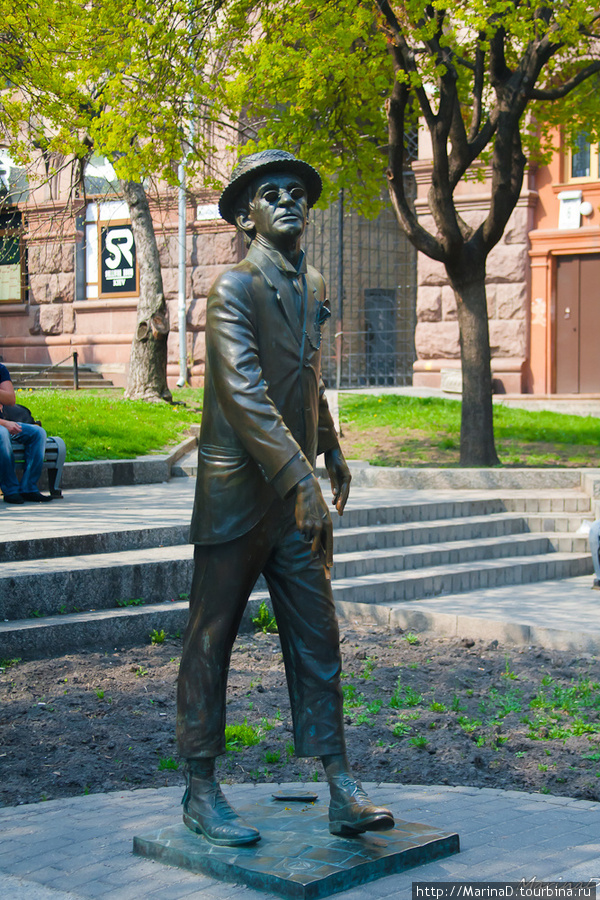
{"x": 265, "y": 417}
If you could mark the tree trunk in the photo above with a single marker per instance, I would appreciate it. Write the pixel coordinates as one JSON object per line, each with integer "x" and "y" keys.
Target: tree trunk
{"x": 147, "y": 378}
{"x": 477, "y": 446}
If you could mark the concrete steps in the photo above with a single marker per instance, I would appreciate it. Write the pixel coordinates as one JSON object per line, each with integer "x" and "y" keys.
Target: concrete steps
{"x": 31, "y": 376}
{"x": 67, "y": 591}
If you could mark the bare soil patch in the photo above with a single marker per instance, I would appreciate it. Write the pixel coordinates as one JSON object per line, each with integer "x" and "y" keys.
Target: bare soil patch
{"x": 415, "y": 448}
{"x": 419, "y": 710}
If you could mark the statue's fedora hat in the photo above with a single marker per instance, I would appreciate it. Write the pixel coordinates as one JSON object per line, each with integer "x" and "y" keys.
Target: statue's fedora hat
{"x": 259, "y": 164}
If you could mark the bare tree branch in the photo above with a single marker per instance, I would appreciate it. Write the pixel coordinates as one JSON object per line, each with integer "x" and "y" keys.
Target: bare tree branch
{"x": 564, "y": 89}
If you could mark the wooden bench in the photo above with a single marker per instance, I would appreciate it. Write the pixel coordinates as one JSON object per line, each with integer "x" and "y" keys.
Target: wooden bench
{"x": 54, "y": 460}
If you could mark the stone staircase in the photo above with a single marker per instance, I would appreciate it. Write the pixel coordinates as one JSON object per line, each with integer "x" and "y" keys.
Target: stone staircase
{"x": 67, "y": 592}
{"x": 27, "y": 376}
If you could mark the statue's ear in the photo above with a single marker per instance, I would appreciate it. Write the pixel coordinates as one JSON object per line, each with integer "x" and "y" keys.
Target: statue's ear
{"x": 245, "y": 223}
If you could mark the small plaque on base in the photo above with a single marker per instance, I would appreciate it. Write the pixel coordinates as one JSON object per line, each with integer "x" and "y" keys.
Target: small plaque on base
{"x": 296, "y": 856}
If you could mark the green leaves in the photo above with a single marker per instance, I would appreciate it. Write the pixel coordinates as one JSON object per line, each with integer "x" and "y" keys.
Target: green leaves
{"x": 125, "y": 79}
{"x": 317, "y": 78}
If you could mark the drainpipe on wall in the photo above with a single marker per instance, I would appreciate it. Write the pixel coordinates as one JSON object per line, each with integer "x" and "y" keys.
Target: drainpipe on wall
{"x": 181, "y": 308}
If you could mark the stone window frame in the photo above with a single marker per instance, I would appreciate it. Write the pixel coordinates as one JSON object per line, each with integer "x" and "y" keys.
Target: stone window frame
{"x": 594, "y": 163}
{"x": 18, "y": 233}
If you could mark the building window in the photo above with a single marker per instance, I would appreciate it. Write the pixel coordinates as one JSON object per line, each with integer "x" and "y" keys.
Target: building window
{"x": 110, "y": 257}
{"x": 583, "y": 160}
{"x": 12, "y": 259}
{"x": 99, "y": 177}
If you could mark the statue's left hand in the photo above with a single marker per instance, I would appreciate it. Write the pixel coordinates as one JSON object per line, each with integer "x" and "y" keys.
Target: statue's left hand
{"x": 339, "y": 476}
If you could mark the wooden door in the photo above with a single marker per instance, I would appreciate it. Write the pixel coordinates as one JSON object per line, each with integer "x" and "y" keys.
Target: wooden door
{"x": 578, "y": 324}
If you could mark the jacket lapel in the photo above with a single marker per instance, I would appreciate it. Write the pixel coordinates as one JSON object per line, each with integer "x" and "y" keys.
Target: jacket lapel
{"x": 282, "y": 287}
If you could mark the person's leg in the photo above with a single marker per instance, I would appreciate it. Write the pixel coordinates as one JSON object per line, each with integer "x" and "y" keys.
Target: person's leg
{"x": 304, "y": 608}
{"x": 33, "y": 439}
{"x": 8, "y": 479}
{"x": 594, "y": 538}
{"x": 224, "y": 575}
{"x": 308, "y": 630}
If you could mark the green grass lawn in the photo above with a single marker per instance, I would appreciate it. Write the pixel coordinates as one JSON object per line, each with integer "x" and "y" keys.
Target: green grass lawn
{"x": 425, "y": 431}
{"x": 102, "y": 425}
{"x": 388, "y": 430}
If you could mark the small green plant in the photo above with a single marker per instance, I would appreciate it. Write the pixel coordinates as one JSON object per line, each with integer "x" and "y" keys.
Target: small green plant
{"x": 315, "y": 775}
{"x": 8, "y": 663}
{"x": 62, "y": 609}
{"x": 411, "y": 638}
{"x": 272, "y": 756}
{"x": 469, "y": 725}
{"x": 401, "y": 729}
{"x": 521, "y": 753}
{"x": 264, "y": 621}
{"x": 456, "y": 705}
{"x": 542, "y": 767}
{"x": 241, "y": 735}
{"x": 434, "y": 706}
{"x": 35, "y": 614}
{"x": 289, "y": 749}
{"x": 497, "y": 705}
{"x": 374, "y": 706}
{"x": 352, "y": 698}
{"x": 419, "y": 741}
{"x": 157, "y": 637}
{"x": 166, "y": 763}
{"x": 140, "y": 671}
{"x": 137, "y": 602}
{"x": 508, "y": 673}
{"x": 404, "y": 696}
{"x": 367, "y": 669}
{"x": 100, "y": 694}
{"x": 363, "y": 719}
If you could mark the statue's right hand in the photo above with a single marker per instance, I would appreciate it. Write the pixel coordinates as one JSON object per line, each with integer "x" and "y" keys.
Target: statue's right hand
{"x": 312, "y": 517}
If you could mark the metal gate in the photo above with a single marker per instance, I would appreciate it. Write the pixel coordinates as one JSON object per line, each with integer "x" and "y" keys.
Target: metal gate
{"x": 371, "y": 272}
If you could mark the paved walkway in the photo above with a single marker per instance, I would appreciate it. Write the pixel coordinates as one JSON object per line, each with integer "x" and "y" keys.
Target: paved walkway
{"x": 81, "y": 847}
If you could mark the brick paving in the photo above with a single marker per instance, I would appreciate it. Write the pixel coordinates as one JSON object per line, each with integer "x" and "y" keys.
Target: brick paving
{"x": 80, "y": 848}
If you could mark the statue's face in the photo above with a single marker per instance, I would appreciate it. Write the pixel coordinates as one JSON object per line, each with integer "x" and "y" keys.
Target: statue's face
{"x": 279, "y": 209}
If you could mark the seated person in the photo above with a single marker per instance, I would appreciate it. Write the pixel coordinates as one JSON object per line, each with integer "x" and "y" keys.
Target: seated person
{"x": 33, "y": 439}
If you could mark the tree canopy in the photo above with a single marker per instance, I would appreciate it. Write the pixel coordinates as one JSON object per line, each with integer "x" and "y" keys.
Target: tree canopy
{"x": 125, "y": 79}
{"x": 344, "y": 81}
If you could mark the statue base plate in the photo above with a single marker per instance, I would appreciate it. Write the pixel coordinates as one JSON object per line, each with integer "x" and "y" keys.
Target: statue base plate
{"x": 296, "y": 856}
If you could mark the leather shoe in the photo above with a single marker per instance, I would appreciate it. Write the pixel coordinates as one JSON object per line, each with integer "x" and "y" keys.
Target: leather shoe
{"x": 36, "y": 497}
{"x": 13, "y": 498}
{"x": 350, "y": 810}
{"x": 207, "y": 812}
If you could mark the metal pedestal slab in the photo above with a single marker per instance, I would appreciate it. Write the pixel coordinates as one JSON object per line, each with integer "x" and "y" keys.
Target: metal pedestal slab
{"x": 296, "y": 856}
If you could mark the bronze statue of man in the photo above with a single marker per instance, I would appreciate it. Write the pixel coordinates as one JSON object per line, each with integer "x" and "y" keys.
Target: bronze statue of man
{"x": 258, "y": 507}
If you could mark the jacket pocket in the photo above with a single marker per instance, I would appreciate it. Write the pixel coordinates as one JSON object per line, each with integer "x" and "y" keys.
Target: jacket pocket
{"x": 227, "y": 457}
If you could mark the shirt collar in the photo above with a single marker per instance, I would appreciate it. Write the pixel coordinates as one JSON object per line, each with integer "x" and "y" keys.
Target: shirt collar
{"x": 279, "y": 260}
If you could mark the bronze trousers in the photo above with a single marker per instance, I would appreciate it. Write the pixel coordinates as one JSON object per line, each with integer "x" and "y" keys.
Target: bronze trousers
{"x": 224, "y": 576}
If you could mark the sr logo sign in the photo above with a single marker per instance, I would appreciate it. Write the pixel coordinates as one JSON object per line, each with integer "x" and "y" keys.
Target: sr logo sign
{"x": 118, "y": 267}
